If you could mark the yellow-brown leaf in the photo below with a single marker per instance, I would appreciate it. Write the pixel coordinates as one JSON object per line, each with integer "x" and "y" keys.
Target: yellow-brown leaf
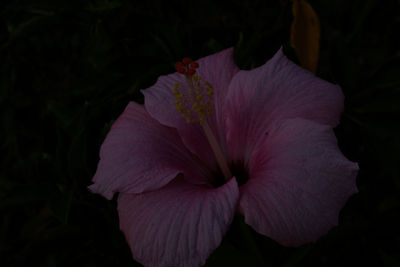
{"x": 304, "y": 34}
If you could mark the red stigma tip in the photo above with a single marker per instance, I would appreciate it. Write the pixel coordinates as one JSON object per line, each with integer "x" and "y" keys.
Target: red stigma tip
{"x": 194, "y": 65}
{"x": 187, "y": 66}
{"x": 190, "y": 72}
{"x": 181, "y": 70}
{"x": 178, "y": 65}
{"x": 186, "y": 61}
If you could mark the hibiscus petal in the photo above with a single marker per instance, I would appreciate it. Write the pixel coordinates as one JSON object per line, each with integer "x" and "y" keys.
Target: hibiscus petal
{"x": 178, "y": 225}
{"x": 139, "y": 155}
{"x": 217, "y": 69}
{"x": 299, "y": 181}
{"x": 275, "y": 91}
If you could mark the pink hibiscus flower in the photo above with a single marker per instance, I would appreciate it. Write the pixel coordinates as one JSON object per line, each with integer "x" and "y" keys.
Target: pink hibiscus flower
{"x": 213, "y": 140}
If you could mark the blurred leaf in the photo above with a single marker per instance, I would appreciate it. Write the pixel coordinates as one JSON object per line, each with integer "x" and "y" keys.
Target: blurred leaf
{"x": 390, "y": 260}
{"x": 238, "y": 248}
{"x": 304, "y": 34}
{"x": 298, "y": 256}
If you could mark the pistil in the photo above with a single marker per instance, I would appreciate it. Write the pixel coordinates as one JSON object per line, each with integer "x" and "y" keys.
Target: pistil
{"x": 219, "y": 155}
{"x": 196, "y": 105}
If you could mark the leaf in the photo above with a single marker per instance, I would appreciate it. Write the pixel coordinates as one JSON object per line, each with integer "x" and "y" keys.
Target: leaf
{"x": 304, "y": 34}
{"x": 238, "y": 248}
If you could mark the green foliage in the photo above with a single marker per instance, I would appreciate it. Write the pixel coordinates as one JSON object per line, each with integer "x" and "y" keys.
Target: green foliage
{"x": 69, "y": 68}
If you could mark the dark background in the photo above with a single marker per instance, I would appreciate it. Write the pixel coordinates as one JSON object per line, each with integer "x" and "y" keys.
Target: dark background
{"x": 68, "y": 68}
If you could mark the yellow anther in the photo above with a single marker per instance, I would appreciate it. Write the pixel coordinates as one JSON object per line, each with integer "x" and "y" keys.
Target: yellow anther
{"x": 194, "y": 102}
{"x": 176, "y": 86}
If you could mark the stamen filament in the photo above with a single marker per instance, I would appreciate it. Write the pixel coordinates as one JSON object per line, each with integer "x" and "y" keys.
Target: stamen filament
{"x": 219, "y": 155}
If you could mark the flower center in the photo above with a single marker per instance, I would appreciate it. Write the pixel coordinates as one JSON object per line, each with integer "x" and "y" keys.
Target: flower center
{"x": 195, "y": 103}
{"x": 239, "y": 171}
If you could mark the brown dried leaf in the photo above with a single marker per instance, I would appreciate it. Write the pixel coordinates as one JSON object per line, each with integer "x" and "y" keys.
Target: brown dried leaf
{"x": 304, "y": 34}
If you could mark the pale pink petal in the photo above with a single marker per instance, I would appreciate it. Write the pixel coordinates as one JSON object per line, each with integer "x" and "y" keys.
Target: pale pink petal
{"x": 178, "y": 225}
{"x": 299, "y": 181}
{"x": 139, "y": 155}
{"x": 275, "y": 91}
{"x": 217, "y": 69}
